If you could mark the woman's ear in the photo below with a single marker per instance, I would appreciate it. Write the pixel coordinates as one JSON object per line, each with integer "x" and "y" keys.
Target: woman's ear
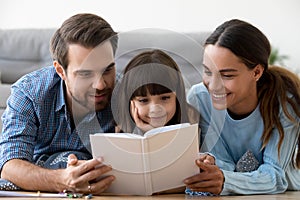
{"x": 258, "y": 71}
{"x": 59, "y": 70}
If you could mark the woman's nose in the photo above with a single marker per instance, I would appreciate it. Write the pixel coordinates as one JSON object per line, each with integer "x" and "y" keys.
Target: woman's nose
{"x": 215, "y": 83}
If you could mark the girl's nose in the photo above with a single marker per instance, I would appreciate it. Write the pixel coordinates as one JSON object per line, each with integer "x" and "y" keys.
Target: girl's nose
{"x": 156, "y": 108}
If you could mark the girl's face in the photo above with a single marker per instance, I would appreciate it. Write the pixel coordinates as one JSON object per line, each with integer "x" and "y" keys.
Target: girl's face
{"x": 156, "y": 110}
{"x": 230, "y": 83}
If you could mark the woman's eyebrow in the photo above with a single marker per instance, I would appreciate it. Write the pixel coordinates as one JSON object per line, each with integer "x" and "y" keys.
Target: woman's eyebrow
{"x": 228, "y": 70}
{"x": 222, "y": 70}
{"x": 205, "y": 66}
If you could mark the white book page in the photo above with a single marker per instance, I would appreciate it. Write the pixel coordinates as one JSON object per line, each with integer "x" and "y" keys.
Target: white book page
{"x": 120, "y": 135}
{"x": 165, "y": 129}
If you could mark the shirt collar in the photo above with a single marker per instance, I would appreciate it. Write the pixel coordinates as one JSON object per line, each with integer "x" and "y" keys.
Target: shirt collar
{"x": 60, "y": 101}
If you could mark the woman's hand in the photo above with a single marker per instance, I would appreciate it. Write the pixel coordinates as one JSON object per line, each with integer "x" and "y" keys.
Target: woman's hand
{"x": 206, "y": 158}
{"x": 210, "y": 179}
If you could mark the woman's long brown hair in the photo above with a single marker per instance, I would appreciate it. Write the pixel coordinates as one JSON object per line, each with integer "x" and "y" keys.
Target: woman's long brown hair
{"x": 276, "y": 87}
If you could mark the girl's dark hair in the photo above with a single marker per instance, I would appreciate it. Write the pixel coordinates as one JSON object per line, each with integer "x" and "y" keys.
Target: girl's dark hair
{"x": 276, "y": 87}
{"x": 85, "y": 29}
{"x": 152, "y": 71}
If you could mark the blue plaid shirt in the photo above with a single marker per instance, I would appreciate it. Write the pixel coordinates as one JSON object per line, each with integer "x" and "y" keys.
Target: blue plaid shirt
{"x": 36, "y": 120}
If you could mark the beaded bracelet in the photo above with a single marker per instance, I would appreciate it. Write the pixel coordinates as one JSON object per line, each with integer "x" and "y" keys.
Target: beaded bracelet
{"x": 76, "y": 195}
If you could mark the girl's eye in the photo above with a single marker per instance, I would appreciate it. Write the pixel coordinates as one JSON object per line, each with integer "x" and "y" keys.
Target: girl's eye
{"x": 165, "y": 97}
{"x": 143, "y": 100}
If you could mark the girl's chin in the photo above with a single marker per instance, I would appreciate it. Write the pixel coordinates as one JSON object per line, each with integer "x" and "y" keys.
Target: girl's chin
{"x": 157, "y": 124}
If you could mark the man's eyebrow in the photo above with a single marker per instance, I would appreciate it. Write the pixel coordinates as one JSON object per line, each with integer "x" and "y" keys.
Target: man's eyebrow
{"x": 82, "y": 70}
{"x": 111, "y": 65}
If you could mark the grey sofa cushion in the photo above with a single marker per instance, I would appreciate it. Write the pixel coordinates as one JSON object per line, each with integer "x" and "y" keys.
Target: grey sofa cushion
{"x": 22, "y": 51}
{"x": 5, "y": 92}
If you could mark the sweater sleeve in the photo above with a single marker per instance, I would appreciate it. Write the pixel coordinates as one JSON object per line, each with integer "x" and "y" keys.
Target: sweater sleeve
{"x": 277, "y": 173}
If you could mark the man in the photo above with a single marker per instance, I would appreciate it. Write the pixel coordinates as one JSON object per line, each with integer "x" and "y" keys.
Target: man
{"x": 51, "y": 112}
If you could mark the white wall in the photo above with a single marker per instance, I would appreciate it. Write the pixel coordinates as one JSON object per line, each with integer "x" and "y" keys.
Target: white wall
{"x": 278, "y": 19}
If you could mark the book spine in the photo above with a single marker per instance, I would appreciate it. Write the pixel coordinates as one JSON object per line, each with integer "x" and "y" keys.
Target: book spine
{"x": 147, "y": 167}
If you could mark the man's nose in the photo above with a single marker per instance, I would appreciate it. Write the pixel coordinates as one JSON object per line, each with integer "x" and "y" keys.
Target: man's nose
{"x": 99, "y": 83}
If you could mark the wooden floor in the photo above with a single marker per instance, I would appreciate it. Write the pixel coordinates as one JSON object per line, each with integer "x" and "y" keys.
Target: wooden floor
{"x": 287, "y": 195}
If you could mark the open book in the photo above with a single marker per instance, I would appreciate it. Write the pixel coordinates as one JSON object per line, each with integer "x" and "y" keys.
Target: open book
{"x": 158, "y": 161}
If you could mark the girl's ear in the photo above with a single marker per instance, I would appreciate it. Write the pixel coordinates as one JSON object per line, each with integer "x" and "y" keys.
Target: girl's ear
{"x": 258, "y": 71}
{"x": 60, "y": 70}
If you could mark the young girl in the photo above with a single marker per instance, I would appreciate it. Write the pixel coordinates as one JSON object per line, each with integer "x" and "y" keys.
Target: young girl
{"x": 153, "y": 86}
{"x": 154, "y": 89}
{"x": 254, "y": 112}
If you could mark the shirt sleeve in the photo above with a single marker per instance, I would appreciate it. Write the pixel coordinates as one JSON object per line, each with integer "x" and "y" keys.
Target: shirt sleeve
{"x": 277, "y": 173}
{"x": 19, "y": 128}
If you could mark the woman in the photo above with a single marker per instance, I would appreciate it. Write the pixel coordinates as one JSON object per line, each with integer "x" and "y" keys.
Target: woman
{"x": 249, "y": 116}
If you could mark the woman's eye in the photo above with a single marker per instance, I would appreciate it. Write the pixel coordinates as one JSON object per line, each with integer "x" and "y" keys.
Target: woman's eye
{"x": 208, "y": 73}
{"x": 227, "y": 75}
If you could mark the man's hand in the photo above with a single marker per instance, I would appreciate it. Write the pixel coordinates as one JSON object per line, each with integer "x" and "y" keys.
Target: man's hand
{"x": 210, "y": 179}
{"x": 83, "y": 176}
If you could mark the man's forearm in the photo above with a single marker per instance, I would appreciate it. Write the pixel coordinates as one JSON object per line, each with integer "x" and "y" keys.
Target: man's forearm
{"x": 31, "y": 177}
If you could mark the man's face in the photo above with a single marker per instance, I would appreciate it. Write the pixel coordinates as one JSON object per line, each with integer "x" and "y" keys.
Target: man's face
{"x": 90, "y": 77}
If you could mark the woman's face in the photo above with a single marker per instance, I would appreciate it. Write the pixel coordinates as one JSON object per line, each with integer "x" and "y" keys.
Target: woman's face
{"x": 156, "y": 110}
{"x": 230, "y": 83}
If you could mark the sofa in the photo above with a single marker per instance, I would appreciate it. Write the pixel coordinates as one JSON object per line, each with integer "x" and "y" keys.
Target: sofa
{"x": 25, "y": 50}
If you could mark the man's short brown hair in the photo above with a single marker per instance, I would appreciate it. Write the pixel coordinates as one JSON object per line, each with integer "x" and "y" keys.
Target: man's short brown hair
{"x": 85, "y": 29}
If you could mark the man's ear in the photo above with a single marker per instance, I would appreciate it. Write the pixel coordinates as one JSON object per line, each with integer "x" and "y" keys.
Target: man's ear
{"x": 60, "y": 70}
{"x": 258, "y": 72}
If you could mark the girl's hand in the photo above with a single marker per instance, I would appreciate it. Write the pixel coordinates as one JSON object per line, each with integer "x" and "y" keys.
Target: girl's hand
{"x": 144, "y": 126}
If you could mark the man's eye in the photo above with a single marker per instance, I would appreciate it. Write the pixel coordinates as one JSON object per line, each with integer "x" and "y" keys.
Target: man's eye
{"x": 84, "y": 74}
{"x": 108, "y": 69}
